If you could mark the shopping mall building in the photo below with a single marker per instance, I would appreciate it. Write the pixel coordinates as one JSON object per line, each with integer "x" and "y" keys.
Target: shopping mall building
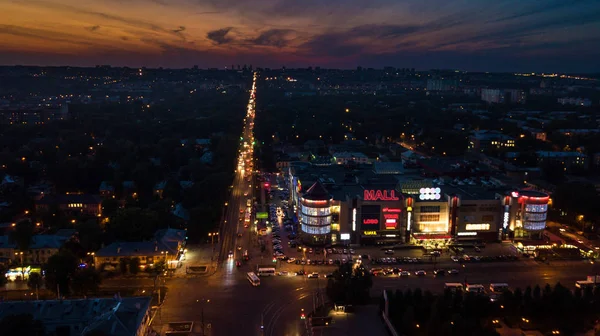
{"x": 371, "y": 206}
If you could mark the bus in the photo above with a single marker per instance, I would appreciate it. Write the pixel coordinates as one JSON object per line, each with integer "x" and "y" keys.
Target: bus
{"x": 584, "y": 284}
{"x": 476, "y": 288}
{"x": 265, "y": 271}
{"x": 453, "y": 286}
{"x": 498, "y": 287}
{"x": 254, "y": 280}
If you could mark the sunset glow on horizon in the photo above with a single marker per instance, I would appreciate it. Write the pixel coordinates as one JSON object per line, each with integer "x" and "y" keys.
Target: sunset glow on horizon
{"x": 501, "y": 35}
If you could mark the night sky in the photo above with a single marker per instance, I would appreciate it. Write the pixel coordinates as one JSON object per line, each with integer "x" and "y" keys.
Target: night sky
{"x": 476, "y": 35}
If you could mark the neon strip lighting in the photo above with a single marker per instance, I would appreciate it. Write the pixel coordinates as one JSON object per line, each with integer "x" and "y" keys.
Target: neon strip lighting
{"x": 394, "y": 210}
{"x": 408, "y": 221}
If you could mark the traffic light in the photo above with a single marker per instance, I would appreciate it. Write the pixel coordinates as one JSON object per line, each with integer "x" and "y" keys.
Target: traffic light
{"x": 302, "y": 316}
{"x": 274, "y": 260}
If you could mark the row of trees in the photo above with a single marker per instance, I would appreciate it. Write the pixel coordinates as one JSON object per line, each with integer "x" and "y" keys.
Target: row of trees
{"x": 350, "y": 284}
{"x": 414, "y": 312}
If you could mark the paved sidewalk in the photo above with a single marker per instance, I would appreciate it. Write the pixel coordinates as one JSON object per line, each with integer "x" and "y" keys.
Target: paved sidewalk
{"x": 197, "y": 256}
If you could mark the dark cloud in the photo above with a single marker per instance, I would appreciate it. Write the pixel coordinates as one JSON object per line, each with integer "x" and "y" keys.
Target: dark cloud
{"x": 517, "y": 33}
{"x": 345, "y": 43}
{"x": 219, "y": 36}
{"x": 42, "y": 34}
{"x": 92, "y": 28}
{"x": 273, "y": 37}
{"x": 541, "y": 8}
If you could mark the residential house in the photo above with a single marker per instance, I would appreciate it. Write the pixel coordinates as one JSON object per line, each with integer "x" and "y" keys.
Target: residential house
{"x": 166, "y": 246}
{"x": 483, "y": 140}
{"x": 40, "y": 249}
{"x": 84, "y": 204}
{"x": 128, "y": 316}
{"x": 106, "y": 189}
{"x": 567, "y": 159}
{"x": 343, "y": 158}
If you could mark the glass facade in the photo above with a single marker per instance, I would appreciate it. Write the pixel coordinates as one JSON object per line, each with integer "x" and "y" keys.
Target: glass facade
{"x": 536, "y": 208}
{"x": 534, "y": 218}
{"x": 317, "y": 230}
{"x": 315, "y": 221}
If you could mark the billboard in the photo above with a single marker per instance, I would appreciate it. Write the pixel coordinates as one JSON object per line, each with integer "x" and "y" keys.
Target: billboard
{"x": 262, "y": 215}
{"x": 370, "y": 216}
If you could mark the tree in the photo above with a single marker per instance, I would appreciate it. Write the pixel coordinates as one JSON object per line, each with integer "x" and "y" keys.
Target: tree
{"x": 23, "y": 234}
{"x": 85, "y": 281}
{"x": 59, "y": 269}
{"x": 349, "y": 285}
{"x": 35, "y": 281}
{"x": 3, "y": 279}
{"x": 90, "y": 234}
{"x": 22, "y": 324}
{"x": 123, "y": 264}
{"x": 133, "y": 224}
{"x": 134, "y": 265}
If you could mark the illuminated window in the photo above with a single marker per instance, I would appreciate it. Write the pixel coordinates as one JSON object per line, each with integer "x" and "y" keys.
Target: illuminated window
{"x": 429, "y": 218}
{"x": 430, "y": 208}
{"x": 477, "y": 227}
{"x": 335, "y": 227}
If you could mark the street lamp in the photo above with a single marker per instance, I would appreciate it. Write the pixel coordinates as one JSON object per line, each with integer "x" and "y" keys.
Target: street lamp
{"x": 202, "y": 302}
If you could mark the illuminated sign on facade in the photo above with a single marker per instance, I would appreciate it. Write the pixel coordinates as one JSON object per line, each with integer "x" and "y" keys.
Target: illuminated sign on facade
{"x": 370, "y": 221}
{"x": 408, "y": 220}
{"x": 345, "y": 236}
{"x": 380, "y": 195}
{"x": 354, "y": 219}
{"x": 430, "y": 194}
{"x": 370, "y": 233}
{"x": 394, "y": 210}
{"x": 467, "y": 234}
{"x": 506, "y": 219}
{"x": 477, "y": 227}
{"x": 391, "y": 216}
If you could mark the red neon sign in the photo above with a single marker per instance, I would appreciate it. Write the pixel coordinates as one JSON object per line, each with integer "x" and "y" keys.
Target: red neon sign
{"x": 394, "y": 210}
{"x": 370, "y": 221}
{"x": 390, "y": 216}
{"x": 380, "y": 195}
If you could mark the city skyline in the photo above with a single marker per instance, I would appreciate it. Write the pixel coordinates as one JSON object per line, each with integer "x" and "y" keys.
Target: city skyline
{"x": 469, "y": 35}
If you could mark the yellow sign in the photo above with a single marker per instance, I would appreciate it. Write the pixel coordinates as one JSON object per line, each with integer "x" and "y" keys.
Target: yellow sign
{"x": 370, "y": 233}
{"x": 409, "y": 209}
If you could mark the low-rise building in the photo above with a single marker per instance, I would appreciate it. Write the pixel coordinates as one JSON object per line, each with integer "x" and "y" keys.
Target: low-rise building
{"x": 343, "y": 158}
{"x": 40, "y": 249}
{"x": 483, "y": 140}
{"x": 85, "y": 204}
{"x": 167, "y": 245}
{"x": 130, "y": 316}
{"x": 567, "y": 159}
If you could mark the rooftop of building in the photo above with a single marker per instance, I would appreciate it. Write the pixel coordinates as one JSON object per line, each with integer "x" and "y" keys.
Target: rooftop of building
{"x": 37, "y": 242}
{"x": 165, "y": 241}
{"x": 559, "y": 154}
{"x": 317, "y": 192}
{"x": 70, "y": 198}
{"x": 342, "y": 181}
{"x": 490, "y": 135}
{"x": 474, "y": 193}
{"x": 116, "y": 317}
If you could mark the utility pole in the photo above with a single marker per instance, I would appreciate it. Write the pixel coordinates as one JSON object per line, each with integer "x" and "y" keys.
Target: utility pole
{"x": 202, "y": 323}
